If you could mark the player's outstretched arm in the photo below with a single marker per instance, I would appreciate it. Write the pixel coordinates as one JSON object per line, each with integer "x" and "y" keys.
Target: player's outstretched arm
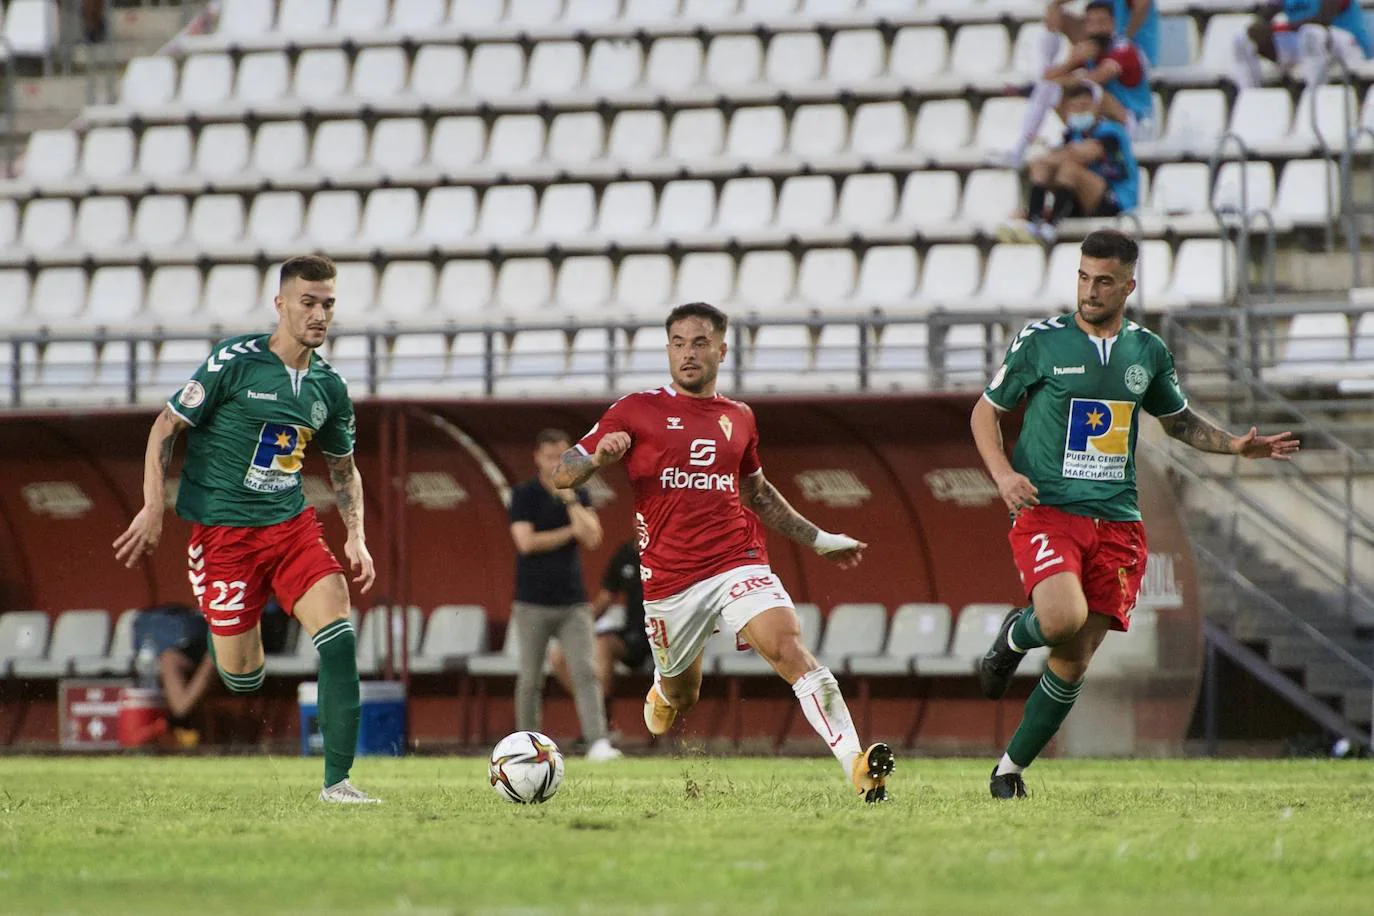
{"x": 777, "y": 514}
{"x": 576, "y": 468}
{"x": 348, "y": 493}
{"x": 145, "y": 530}
{"x": 1193, "y": 429}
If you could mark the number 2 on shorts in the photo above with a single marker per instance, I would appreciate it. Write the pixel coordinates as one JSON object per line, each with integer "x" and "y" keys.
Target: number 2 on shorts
{"x": 1043, "y": 549}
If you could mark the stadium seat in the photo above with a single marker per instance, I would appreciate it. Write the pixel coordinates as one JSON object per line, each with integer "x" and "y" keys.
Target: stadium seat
{"x": 825, "y": 279}
{"x": 465, "y": 289}
{"x": 755, "y": 134}
{"x": 148, "y": 82}
{"x": 1013, "y": 278}
{"x": 981, "y": 53}
{"x": 76, "y": 634}
{"x": 636, "y": 137}
{"x": 695, "y": 134}
{"x": 734, "y": 61}
{"x": 991, "y": 196}
{"x": 1026, "y": 61}
{"x": 794, "y": 59}
{"x": 303, "y": 17}
{"x": 704, "y": 277}
{"x": 867, "y": 201}
{"x": 475, "y": 13}
{"x": 590, "y": 12}
{"x": 903, "y": 361}
{"x": 1179, "y": 44}
{"x": 613, "y": 66}
{"x": 216, "y": 220}
{"x": 372, "y": 636}
{"x": 108, "y": 153}
{"x": 1195, "y": 122}
{"x": 321, "y": 75}
{"x": 9, "y": 222}
{"x": 14, "y": 300}
{"x": 66, "y": 372}
{"x": 1181, "y": 188}
{"x": 231, "y": 292}
{"x": 406, "y": 289}
{"x": 206, "y": 79}
{"x": 930, "y": 200}
{"x": 1205, "y": 273}
{"x": 1325, "y": 129}
{"x": 59, "y": 294}
{"x": 165, "y": 152}
{"x": 275, "y": 218}
{"x": 1261, "y": 118}
{"x": 390, "y": 216}
{"x": 457, "y": 142}
{"x": 398, "y": 145}
{"x": 524, "y": 286}
{"x": 999, "y": 125}
{"x": 1218, "y": 41}
{"x": 246, "y": 18}
{"x": 222, "y": 151}
{"x": 1250, "y": 184}
{"x": 555, "y": 68}
{"x": 118, "y": 660}
{"x": 644, "y": 283}
{"x": 879, "y": 128}
{"x": 51, "y": 155}
{"x": 919, "y": 54}
{"x": 764, "y": 282}
{"x": 943, "y": 126}
{"x": 534, "y": 364}
{"x": 576, "y": 138}
{"x": 48, "y": 224}
{"x": 302, "y": 661}
{"x": 508, "y": 212}
{"x": 263, "y": 76}
{"x": 453, "y": 634}
{"x": 332, "y": 218}
{"x": 417, "y": 361}
{"x": 417, "y": 15}
{"x": 438, "y": 71}
{"x": 818, "y": 131}
{"x": 566, "y": 211}
{"x": 856, "y": 57}
{"x": 1317, "y": 346}
{"x": 588, "y": 360}
{"x": 516, "y": 140}
{"x": 23, "y": 635}
{"x": 887, "y": 276}
{"x": 918, "y": 631}
{"x": 807, "y": 202}
{"x": 746, "y": 205}
{"x": 31, "y": 28}
{"x": 339, "y": 146}
{"x": 735, "y": 664}
{"x": 584, "y": 285}
{"x": 686, "y": 207}
{"x": 627, "y": 208}
{"x": 496, "y": 69}
{"x": 360, "y": 17}
{"x": 836, "y": 366}
{"x": 1309, "y": 192}
{"x": 504, "y": 663}
{"x": 974, "y": 630}
{"x": 174, "y": 294}
{"x": 379, "y": 74}
{"x": 852, "y": 631}
{"x": 952, "y": 274}
{"x": 357, "y": 285}
{"x": 115, "y": 297}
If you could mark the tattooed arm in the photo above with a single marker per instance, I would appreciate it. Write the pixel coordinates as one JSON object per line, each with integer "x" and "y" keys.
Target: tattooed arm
{"x": 777, "y": 514}
{"x": 145, "y": 530}
{"x": 1193, "y": 429}
{"x": 576, "y": 468}
{"x": 348, "y": 493}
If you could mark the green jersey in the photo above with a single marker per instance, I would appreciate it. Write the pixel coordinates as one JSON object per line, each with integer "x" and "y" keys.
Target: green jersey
{"x": 1085, "y": 394}
{"x": 251, "y": 418}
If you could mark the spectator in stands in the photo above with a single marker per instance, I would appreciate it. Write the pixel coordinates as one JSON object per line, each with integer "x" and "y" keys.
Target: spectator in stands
{"x": 619, "y": 637}
{"x": 1111, "y": 67}
{"x": 1093, "y": 174}
{"x": 548, "y": 526}
{"x": 179, "y": 639}
{"x": 93, "y": 22}
{"x": 1301, "y": 33}
{"x": 1138, "y": 19}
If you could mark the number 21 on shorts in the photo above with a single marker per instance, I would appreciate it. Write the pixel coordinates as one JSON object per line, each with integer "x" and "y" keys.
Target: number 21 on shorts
{"x": 657, "y": 630}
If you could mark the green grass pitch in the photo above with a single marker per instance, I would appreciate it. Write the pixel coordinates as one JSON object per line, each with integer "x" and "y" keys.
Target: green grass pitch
{"x": 684, "y": 835}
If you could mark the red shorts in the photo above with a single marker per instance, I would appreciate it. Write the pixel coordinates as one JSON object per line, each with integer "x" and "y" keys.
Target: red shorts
{"x": 235, "y": 570}
{"x": 1107, "y": 557}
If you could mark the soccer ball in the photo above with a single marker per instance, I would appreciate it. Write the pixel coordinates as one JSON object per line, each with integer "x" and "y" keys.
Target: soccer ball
{"x": 526, "y": 768}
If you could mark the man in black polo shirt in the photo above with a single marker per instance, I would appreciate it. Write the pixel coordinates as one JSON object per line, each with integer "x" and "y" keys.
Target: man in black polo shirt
{"x": 548, "y": 526}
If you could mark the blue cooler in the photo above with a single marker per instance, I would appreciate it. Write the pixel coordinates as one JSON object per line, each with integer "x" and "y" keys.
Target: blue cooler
{"x": 382, "y": 725}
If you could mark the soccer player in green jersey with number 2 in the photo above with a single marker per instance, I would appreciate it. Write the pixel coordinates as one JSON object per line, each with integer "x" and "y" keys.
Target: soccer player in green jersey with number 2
{"x": 1077, "y": 537}
{"x": 250, "y": 409}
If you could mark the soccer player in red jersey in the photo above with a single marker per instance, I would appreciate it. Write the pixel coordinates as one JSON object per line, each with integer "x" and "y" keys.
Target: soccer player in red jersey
{"x": 701, "y": 501}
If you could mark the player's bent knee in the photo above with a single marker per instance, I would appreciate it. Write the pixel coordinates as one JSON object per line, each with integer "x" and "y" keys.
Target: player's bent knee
{"x": 243, "y": 683}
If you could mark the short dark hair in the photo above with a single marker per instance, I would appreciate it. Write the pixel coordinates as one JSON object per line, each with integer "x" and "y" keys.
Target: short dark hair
{"x": 719, "y": 320}
{"x": 312, "y": 267}
{"x": 551, "y": 436}
{"x": 1111, "y": 243}
{"x": 1076, "y": 90}
{"x": 1101, "y": 5}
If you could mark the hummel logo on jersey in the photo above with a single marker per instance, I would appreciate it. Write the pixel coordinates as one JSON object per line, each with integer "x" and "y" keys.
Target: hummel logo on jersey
{"x": 1070, "y": 370}
{"x": 675, "y": 422}
{"x": 262, "y": 395}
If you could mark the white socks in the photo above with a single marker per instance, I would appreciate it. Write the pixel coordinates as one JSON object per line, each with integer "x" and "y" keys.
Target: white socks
{"x": 1044, "y": 96}
{"x": 820, "y": 699}
{"x": 1005, "y": 766}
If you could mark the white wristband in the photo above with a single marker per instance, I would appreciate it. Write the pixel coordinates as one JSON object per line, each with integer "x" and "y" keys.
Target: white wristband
{"x": 833, "y": 543}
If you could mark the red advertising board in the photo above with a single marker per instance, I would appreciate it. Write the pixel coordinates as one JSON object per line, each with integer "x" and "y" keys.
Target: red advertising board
{"x": 88, "y": 714}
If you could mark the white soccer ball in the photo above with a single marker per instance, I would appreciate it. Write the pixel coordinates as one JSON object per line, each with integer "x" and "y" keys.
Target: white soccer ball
{"x": 526, "y": 768}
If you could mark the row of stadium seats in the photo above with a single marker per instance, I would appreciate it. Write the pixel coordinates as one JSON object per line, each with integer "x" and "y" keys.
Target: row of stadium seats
{"x": 924, "y": 639}
{"x": 462, "y": 149}
{"x": 893, "y": 278}
{"x": 362, "y": 18}
{"x": 636, "y": 214}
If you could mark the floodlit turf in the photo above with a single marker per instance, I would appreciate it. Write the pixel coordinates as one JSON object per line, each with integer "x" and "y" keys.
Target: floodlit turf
{"x": 687, "y": 835}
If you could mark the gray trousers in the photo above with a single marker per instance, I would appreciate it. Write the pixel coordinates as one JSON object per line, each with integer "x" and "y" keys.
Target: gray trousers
{"x": 571, "y": 625}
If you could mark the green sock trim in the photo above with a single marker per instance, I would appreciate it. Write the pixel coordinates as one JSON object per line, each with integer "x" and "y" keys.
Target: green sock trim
{"x": 338, "y": 698}
{"x": 1048, "y": 706}
{"x": 243, "y": 683}
{"x": 1026, "y": 633}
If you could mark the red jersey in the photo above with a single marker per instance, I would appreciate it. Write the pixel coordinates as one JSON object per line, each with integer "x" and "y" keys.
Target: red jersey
{"x": 685, "y": 462}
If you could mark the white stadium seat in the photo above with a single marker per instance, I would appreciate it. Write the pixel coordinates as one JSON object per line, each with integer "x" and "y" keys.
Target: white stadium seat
{"x": 1196, "y": 121}
{"x": 1309, "y": 191}
{"x": 887, "y": 276}
{"x": 390, "y": 216}
{"x": 584, "y": 284}
{"x": 206, "y": 79}
{"x": 614, "y": 66}
{"x": 507, "y": 212}
{"x": 438, "y": 71}
{"x": 627, "y": 207}
{"x": 1251, "y": 183}
{"x": 806, "y": 202}
{"x": 449, "y": 215}
{"x": 794, "y": 58}
{"x": 361, "y": 17}
{"x": 674, "y": 64}
{"x": 174, "y": 293}
{"x": 818, "y": 130}
{"x": 1204, "y": 273}
{"x": 879, "y": 128}
{"x": 705, "y": 277}
{"x": 160, "y": 221}
{"x": 590, "y": 12}
{"x": 644, "y": 283}
{"x": 1261, "y": 116}
{"x": 929, "y": 199}
{"x": 59, "y": 293}
{"x": 165, "y": 152}
{"x": 321, "y": 75}
{"x": 856, "y": 57}
{"x": 755, "y": 133}
{"x": 279, "y": 148}
{"x": 496, "y": 69}
{"x": 31, "y": 28}
{"x": 555, "y": 68}
{"x": 398, "y": 144}
{"x": 765, "y": 280}
{"x": 1180, "y": 187}
{"x": 981, "y": 51}
{"x": 476, "y": 13}
{"x": 48, "y": 224}
{"x": 696, "y": 134}
{"x": 991, "y": 195}
{"x": 576, "y": 138}
{"x": 222, "y": 150}
{"x": 332, "y": 218}
{"x": 1013, "y": 277}
{"x": 1316, "y": 345}
{"x": 867, "y": 200}
{"x": 686, "y": 207}
{"x": 566, "y": 211}
{"x": 263, "y": 76}
{"x": 246, "y": 18}
{"x": 636, "y": 137}
{"x": 216, "y": 219}
{"x": 148, "y": 82}
{"x": 516, "y": 140}
{"x": 406, "y": 288}
{"x": 232, "y": 292}
{"x": 51, "y": 155}
{"x": 275, "y": 218}
{"x": 302, "y": 17}
{"x": 379, "y": 73}
{"x": 116, "y": 295}
{"x": 943, "y": 126}
{"x": 108, "y": 153}
{"x": 339, "y": 146}
{"x": 919, "y": 53}
{"x": 524, "y": 285}
{"x": 457, "y": 142}
{"x": 952, "y": 274}
{"x": 465, "y": 289}
{"x": 825, "y": 278}
{"x": 418, "y": 15}
{"x": 746, "y": 205}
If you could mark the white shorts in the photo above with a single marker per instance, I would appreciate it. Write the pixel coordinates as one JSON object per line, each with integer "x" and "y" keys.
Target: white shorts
{"x": 679, "y": 625}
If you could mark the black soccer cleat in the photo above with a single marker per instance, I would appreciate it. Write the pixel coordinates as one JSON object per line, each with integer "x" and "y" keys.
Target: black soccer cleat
{"x": 870, "y": 772}
{"x": 999, "y": 664}
{"x": 1008, "y": 785}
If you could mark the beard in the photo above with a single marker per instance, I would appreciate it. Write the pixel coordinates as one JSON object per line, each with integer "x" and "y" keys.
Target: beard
{"x": 706, "y": 378}
{"x": 1103, "y": 316}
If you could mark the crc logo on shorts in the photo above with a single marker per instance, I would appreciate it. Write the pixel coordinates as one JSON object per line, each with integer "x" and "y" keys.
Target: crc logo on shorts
{"x": 192, "y": 394}
{"x": 1137, "y": 379}
{"x": 278, "y": 459}
{"x": 702, "y": 453}
{"x": 1099, "y": 440}
{"x": 752, "y": 584}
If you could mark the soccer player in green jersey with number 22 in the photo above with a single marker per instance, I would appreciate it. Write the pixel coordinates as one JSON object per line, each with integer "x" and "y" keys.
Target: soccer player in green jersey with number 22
{"x": 250, "y": 409}
{"x": 1077, "y": 537}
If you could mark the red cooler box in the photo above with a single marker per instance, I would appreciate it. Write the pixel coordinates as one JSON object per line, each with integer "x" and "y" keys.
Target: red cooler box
{"x": 142, "y": 719}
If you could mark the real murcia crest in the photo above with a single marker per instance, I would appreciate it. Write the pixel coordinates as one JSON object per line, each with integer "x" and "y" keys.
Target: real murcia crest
{"x": 726, "y": 426}
{"x": 1137, "y": 379}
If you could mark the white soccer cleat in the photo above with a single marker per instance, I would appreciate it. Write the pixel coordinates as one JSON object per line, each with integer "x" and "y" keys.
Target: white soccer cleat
{"x": 602, "y": 750}
{"x": 345, "y": 793}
